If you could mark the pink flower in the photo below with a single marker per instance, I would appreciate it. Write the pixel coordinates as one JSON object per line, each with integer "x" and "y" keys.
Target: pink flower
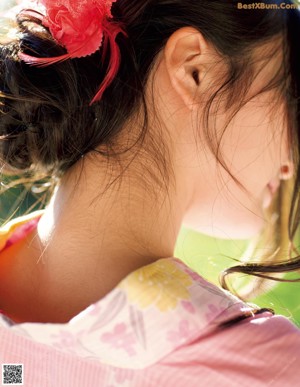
{"x": 213, "y": 312}
{"x": 120, "y": 338}
{"x": 182, "y": 333}
{"x": 78, "y": 25}
{"x": 81, "y": 26}
{"x": 188, "y": 306}
{"x": 67, "y": 341}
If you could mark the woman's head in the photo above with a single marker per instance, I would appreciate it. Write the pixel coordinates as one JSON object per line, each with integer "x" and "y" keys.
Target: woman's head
{"x": 237, "y": 65}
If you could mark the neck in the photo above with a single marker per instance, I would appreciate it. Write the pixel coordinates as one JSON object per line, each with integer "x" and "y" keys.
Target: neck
{"x": 92, "y": 240}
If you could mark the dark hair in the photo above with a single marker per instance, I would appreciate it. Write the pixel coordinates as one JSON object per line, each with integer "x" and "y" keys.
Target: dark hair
{"x": 48, "y": 124}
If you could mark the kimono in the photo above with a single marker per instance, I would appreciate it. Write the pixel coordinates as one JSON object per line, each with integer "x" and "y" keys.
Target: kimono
{"x": 162, "y": 325}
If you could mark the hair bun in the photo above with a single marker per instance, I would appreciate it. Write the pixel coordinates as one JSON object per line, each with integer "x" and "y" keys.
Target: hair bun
{"x": 38, "y": 106}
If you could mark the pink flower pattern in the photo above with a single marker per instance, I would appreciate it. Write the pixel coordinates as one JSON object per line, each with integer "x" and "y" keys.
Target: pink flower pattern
{"x": 179, "y": 335}
{"x": 67, "y": 340}
{"x": 120, "y": 339}
{"x": 213, "y": 312}
{"x": 188, "y": 306}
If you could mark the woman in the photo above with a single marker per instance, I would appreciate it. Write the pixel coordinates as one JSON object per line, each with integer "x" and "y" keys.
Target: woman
{"x": 149, "y": 115}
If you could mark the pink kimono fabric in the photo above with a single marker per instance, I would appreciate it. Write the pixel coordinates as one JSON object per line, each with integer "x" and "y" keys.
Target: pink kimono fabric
{"x": 160, "y": 326}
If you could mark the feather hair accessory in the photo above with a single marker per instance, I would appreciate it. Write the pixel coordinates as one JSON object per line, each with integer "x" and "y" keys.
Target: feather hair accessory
{"x": 82, "y": 27}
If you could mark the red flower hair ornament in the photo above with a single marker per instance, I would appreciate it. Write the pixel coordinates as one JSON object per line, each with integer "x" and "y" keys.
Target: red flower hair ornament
{"x": 82, "y": 27}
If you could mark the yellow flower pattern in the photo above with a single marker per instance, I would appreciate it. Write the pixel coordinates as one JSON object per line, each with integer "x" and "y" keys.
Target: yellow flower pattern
{"x": 161, "y": 284}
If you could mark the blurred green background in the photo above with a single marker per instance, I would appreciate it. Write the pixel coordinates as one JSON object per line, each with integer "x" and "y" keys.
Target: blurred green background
{"x": 208, "y": 256}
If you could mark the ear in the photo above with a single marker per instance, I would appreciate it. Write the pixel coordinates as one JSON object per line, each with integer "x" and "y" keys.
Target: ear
{"x": 184, "y": 55}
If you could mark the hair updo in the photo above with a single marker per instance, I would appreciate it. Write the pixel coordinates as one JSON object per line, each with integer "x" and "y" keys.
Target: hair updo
{"x": 46, "y": 122}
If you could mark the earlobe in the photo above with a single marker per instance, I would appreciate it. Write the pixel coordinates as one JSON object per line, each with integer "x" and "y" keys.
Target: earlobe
{"x": 183, "y": 55}
{"x": 287, "y": 171}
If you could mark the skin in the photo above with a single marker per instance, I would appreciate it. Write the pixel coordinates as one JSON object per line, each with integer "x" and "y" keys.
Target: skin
{"x": 86, "y": 243}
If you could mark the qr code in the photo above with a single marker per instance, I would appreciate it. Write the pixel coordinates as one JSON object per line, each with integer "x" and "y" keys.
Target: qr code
{"x": 12, "y": 375}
